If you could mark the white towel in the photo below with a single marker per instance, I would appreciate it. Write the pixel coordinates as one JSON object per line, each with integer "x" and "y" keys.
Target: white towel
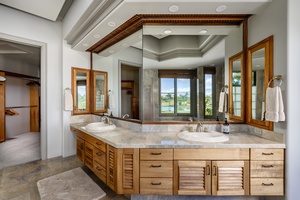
{"x": 68, "y": 100}
{"x": 111, "y": 103}
{"x": 274, "y": 105}
{"x": 223, "y": 102}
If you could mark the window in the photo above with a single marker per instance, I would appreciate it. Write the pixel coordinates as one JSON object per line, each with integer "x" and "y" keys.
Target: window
{"x": 176, "y": 92}
{"x": 209, "y": 92}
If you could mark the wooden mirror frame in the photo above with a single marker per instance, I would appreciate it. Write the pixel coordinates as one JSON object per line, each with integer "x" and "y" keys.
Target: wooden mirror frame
{"x": 105, "y": 92}
{"x": 231, "y": 114}
{"x": 74, "y": 91}
{"x": 268, "y": 73}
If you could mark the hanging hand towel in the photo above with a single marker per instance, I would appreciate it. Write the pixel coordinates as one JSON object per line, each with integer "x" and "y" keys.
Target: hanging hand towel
{"x": 68, "y": 100}
{"x": 223, "y": 102}
{"x": 274, "y": 105}
{"x": 111, "y": 101}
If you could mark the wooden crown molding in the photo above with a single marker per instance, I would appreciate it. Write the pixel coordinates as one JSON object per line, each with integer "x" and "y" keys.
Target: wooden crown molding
{"x": 136, "y": 23}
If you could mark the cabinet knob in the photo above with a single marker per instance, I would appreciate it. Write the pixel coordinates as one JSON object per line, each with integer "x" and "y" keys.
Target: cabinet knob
{"x": 99, "y": 154}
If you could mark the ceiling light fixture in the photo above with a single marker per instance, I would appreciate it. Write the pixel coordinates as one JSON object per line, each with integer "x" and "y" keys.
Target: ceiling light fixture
{"x": 221, "y": 8}
{"x": 111, "y": 51}
{"x": 85, "y": 44}
{"x": 111, "y": 24}
{"x": 168, "y": 31}
{"x": 125, "y": 45}
{"x": 140, "y": 36}
{"x": 2, "y": 78}
{"x": 203, "y": 31}
{"x": 173, "y": 8}
{"x": 96, "y": 36}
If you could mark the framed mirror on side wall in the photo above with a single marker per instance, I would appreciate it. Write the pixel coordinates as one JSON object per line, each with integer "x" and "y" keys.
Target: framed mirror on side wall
{"x": 236, "y": 87}
{"x": 100, "y": 101}
{"x": 81, "y": 90}
{"x": 259, "y": 72}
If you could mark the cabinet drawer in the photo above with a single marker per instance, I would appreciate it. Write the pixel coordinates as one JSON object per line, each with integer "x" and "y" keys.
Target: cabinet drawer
{"x": 211, "y": 154}
{"x": 156, "y": 168}
{"x": 100, "y": 157}
{"x": 266, "y": 186}
{"x": 156, "y": 186}
{"x": 156, "y": 154}
{"x": 99, "y": 144}
{"x": 266, "y": 169}
{"x": 100, "y": 171}
{"x": 267, "y": 154}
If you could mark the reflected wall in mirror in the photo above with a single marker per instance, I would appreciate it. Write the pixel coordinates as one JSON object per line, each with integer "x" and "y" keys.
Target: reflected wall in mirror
{"x": 236, "y": 87}
{"x": 260, "y": 71}
{"x": 184, "y": 71}
{"x": 81, "y": 90}
{"x": 100, "y": 91}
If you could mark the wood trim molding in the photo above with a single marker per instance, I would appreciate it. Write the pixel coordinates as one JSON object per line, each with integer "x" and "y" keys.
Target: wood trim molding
{"x": 136, "y": 23}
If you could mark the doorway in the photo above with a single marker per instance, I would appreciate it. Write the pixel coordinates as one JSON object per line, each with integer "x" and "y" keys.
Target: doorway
{"x": 130, "y": 91}
{"x": 34, "y": 82}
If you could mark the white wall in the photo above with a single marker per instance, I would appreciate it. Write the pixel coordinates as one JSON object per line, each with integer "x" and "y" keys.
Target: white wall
{"x": 71, "y": 59}
{"x": 293, "y": 99}
{"x": 17, "y": 94}
{"x": 272, "y": 21}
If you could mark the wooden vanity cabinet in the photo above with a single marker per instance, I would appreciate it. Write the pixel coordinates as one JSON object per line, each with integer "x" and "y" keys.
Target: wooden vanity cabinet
{"x": 156, "y": 171}
{"x": 267, "y": 172}
{"x": 211, "y": 171}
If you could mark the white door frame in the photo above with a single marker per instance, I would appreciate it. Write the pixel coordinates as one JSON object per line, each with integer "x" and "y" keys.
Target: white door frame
{"x": 43, "y": 120}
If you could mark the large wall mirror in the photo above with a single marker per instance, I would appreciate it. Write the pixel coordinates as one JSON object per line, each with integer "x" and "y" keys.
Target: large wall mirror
{"x": 81, "y": 90}
{"x": 184, "y": 64}
{"x": 259, "y": 72}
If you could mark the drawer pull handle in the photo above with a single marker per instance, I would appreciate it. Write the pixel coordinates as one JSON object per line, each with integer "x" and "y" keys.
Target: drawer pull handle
{"x": 98, "y": 168}
{"x": 267, "y": 166}
{"x": 208, "y": 169}
{"x": 155, "y": 166}
{"x": 155, "y": 154}
{"x": 267, "y": 154}
{"x": 267, "y": 184}
{"x": 155, "y": 183}
{"x": 215, "y": 171}
{"x": 99, "y": 154}
{"x": 98, "y": 143}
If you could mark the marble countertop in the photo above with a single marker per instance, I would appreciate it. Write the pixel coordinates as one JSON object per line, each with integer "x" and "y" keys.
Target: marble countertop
{"x": 127, "y": 138}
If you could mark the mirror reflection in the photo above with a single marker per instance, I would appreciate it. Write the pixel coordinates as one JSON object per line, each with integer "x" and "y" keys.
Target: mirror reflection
{"x": 80, "y": 89}
{"x": 236, "y": 83}
{"x": 100, "y": 91}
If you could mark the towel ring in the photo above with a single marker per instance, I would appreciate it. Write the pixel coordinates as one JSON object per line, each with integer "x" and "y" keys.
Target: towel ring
{"x": 279, "y": 77}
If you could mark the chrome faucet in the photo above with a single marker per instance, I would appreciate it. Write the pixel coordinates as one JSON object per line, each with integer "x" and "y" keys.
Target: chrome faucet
{"x": 125, "y": 115}
{"x": 107, "y": 119}
{"x": 199, "y": 127}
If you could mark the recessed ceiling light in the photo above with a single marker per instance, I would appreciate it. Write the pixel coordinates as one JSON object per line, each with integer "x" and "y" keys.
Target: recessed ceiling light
{"x": 85, "y": 44}
{"x": 221, "y": 8}
{"x": 140, "y": 36}
{"x": 111, "y": 51}
{"x": 173, "y": 8}
{"x": 257, "y": 65}
{"x": 96, "y": 36}
{"x": 168, "y": 31}
{"x": 111, "y": 24}
{"x": 203, "y": 31}
{"x": 125, "y": 45}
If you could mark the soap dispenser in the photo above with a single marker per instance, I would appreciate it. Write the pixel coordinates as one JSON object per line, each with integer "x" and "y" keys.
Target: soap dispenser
{"x": 226, "y": 128}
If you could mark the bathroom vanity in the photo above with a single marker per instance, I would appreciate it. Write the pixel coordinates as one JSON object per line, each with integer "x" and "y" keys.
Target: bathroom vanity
{"x": 155, "y": 163}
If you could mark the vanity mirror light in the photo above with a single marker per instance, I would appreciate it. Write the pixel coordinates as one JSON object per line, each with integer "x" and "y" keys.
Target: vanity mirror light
{"x": 99, "y": 92}
{"x": 81, "y": 90}
{"x": 236, "y": 87}
{"x": 259, "y": 72}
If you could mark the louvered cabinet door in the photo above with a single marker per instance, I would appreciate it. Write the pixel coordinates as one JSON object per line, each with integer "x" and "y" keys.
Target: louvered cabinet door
{"x": 80, "y": 148}
{"x": 128, "y": 171}
{"x": 230, "y": 178}
{"x": 111, "y": 170}
{"x": 192, "y": 177}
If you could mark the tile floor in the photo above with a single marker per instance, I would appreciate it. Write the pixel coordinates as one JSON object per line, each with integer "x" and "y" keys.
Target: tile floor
{"x": 19, "y": 181}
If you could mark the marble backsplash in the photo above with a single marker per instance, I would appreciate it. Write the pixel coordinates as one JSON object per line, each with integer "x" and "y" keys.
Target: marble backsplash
{"x": 144, "y": 128}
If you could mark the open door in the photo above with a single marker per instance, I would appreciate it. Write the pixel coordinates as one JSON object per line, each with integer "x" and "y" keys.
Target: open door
{"x": 2, "y": 107}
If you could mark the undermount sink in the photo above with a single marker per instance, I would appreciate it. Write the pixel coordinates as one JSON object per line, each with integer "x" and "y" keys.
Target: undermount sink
{"x": 99, "y": 127}
{"x": 210, "y": 136}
